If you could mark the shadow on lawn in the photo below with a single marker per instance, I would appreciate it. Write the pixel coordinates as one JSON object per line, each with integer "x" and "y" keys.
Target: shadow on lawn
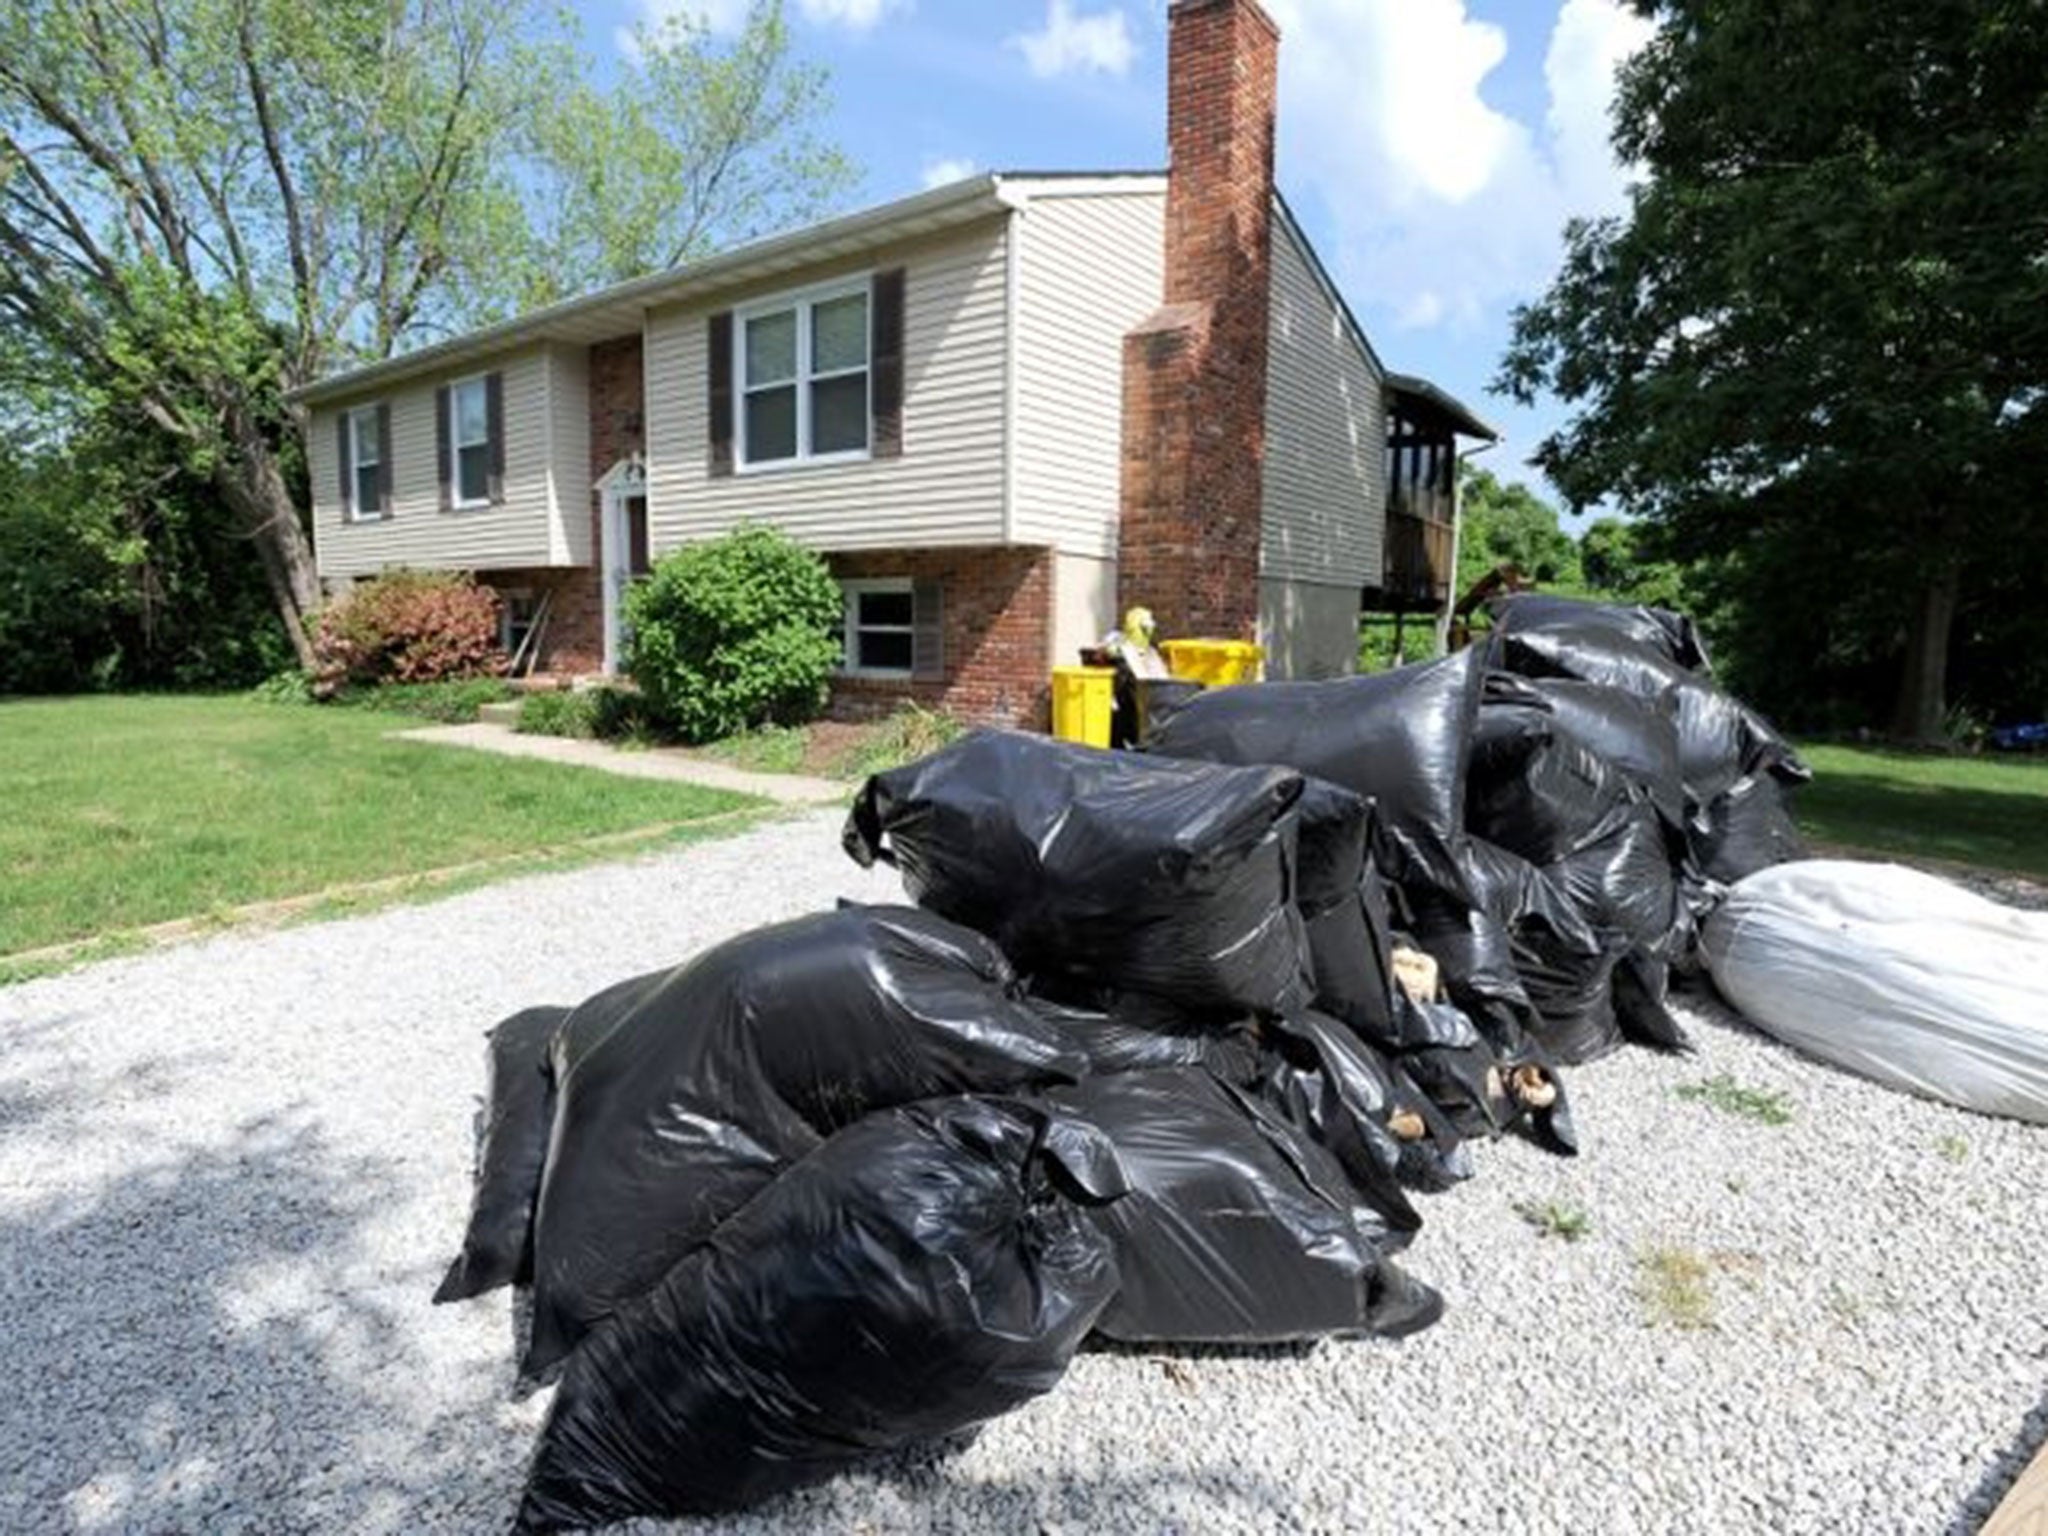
{"x": 1996, "y": 828}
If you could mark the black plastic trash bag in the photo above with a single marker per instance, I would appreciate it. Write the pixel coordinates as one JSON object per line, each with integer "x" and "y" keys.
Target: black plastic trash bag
{"x": 1237, "y": 1229}
{"x": 1750, "y": 827}
{"x": 1720, "y": 739}
{"x": 1131, "y": 1032}
{"x": 918, "y": 1274}
{"x": 1626, "y": 732}
{"x": 497, "y": 1249}
{"x": 1398, "y": 738}
{"x": 683, "y": 1094}
{"x": 1596, "y": 846}
{"x": 1344, "y": 908}
{"x": 1103, "y": 871}
{"x": 1363, "y": 1108}
{"x": 1673, "y": 634}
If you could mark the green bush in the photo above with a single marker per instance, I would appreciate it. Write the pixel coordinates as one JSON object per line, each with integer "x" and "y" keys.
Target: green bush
{"x": 290, "y": 686}
{"x": 912, "y": 732}
{"x": 561, "y": 713}
{"x": 736, "y": 633}
{"x": 620, "y": 714}
{"x": 457, "y": 701}
{"x": 407, "y": 627}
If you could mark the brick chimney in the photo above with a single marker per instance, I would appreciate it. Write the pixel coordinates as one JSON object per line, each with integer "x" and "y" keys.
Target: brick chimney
{"x": 1195, "y": 371}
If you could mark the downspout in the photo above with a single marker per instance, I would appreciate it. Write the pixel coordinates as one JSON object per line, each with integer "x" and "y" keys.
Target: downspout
{"x": 1451, "y": 594}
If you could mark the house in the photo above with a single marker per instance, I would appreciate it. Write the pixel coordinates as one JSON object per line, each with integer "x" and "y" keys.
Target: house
{"x": 1003, "y": 410}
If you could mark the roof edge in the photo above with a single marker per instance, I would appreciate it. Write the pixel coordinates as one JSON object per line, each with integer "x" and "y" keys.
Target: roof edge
{"x": 1462, "y": 417}
{"x": 988, "y": 187}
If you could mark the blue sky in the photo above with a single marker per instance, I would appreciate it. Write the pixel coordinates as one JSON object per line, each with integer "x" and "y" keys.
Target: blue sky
{"x": 1433, "y": 148}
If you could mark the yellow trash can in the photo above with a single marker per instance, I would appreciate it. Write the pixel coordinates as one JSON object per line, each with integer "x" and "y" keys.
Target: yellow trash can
{"x": 1213, "y": 663}
{"x": 1082, "y": 699}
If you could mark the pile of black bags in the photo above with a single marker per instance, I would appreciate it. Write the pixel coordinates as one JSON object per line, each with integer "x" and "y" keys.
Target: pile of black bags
{"x": 1557, "y": 807}
{"x": 1159, "y": 1054}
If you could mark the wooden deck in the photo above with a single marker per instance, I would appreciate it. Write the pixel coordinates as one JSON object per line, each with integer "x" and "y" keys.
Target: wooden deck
{"x": 2025, "y": 1510}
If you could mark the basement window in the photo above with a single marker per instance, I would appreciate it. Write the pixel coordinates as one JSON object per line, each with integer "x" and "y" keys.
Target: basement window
{"x": 516, "y": 613}
{"x": 879, "y": 627}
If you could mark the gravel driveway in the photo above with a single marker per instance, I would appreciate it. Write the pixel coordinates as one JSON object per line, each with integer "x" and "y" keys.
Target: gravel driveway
{"x": 231, "y": 1173}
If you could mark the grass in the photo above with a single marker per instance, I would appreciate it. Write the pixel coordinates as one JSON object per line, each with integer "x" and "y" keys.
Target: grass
{"x": 1676, "y": 1287}
{"x": 770, "y": 749}
{"x": 1555, "y": 1219}
{"x": 130, "y": 811}
{"x": 1988, "y": 811}
{"x": 1723, "y": 1093}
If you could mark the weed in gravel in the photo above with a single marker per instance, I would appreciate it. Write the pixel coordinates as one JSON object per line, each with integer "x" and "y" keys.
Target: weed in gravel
{"x": 1676, "y": 1287}
{"x": 1953, "y": 1148}
{"x": 1722, "y": 1092}
{"x": 1554, "y": 1218}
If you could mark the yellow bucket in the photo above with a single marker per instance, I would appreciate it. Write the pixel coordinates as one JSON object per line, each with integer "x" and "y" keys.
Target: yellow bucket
{"x": 1213, "y": 663}
{"x": 1082, "y": 699}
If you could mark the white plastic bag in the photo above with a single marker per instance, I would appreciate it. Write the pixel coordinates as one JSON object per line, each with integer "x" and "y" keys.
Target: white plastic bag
{"x": 1895, "y": 974}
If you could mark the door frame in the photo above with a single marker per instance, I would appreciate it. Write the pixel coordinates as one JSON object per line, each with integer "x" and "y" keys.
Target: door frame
{"x": 620, "y": 484}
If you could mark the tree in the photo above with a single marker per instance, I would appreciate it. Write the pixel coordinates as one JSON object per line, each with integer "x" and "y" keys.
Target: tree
{"x": 205, "y": 203}
{"x": 1509, "y": 522}
{"x": 1821, "y": 332}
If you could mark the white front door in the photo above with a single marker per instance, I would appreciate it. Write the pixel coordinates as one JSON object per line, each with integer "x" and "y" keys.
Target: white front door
{"x": 622, "y": 511}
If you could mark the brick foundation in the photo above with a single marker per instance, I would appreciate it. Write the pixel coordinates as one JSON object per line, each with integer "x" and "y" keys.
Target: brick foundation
{"x": 997, "y": 608}
{"x": 1195, "y": 371}
{"x": 573, "y": 643}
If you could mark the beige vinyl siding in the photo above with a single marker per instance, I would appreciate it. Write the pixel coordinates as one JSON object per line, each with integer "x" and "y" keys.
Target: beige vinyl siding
{"x": 946, "y": 489}
{"x": 1325, "y": 473}
{"x": 1090, "y": 268}
{"x": 520, "y": 531}
{"x": 569, "y": 454}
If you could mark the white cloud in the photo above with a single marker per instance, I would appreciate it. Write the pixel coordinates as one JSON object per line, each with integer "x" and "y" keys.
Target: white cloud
{"x": 1072, "y": 43}
{"x": 857, "y": 14}
{"x": 1445, "y": 206}
{"x": 943, "y": 171}
{"x": 1593, "y": 38}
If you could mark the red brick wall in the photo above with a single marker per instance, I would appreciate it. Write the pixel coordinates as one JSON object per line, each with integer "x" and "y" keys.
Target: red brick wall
{"x": 1195, "y": 372}
{"x": 997, "y": 610}
{"x": 573, "y": 643}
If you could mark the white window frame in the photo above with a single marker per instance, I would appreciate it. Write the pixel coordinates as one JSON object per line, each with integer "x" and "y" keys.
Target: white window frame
{"x": 356, "y": 514}
{"x": 456, "y": 500}
{"x": 850, "y": 639}
{"x": 804, "y": 302}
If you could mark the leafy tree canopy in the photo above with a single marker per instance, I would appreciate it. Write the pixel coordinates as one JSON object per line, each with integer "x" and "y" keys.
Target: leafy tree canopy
{"x": 1509, "y": 522}
{"x": 204, "y": 203}
{"x": 1821, "y": 332}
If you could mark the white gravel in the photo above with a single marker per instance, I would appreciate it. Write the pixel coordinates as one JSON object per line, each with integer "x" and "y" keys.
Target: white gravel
{"x": 231, "y": 1173}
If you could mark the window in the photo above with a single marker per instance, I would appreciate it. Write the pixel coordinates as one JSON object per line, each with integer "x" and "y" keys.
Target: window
{"x": 879, "y": 626}
{"x": 803, "y": 375}
{"x": 516, "y": 614}
{"x": 366, "y": 463}
{"x": 469, "y": 443}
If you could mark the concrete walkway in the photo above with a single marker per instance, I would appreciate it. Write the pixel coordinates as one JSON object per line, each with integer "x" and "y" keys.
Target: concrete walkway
{"x": 653, "y": 763}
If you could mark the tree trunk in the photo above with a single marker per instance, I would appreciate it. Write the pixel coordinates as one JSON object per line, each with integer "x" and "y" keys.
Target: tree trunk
{"x": 1920, "y": 713}
{"x": 251, "y": 483}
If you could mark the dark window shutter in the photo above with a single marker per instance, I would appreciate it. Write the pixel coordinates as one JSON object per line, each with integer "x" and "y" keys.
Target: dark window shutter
{"x": 719, "y": 341}
{"x": 344, "y": 455}
{"x": 384, "y": 460}
{"x": 927, "y": 631}
{"x": 494, "y": 419}
{"x": 885, "y": 364}
{"x": 442, "y": 439}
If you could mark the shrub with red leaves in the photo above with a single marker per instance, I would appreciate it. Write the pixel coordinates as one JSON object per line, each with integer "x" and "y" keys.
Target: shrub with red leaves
{"x": 407, "y": 627}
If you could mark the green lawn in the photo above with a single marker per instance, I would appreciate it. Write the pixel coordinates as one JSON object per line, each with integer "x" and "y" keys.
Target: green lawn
{"x": 125, "y": 811}
{"x": 1989, "y": 811}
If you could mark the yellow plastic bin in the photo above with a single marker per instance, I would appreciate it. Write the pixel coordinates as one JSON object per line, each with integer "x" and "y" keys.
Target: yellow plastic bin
{"x": 1213, "y": 663}
{"x": 1082, "y": 700}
